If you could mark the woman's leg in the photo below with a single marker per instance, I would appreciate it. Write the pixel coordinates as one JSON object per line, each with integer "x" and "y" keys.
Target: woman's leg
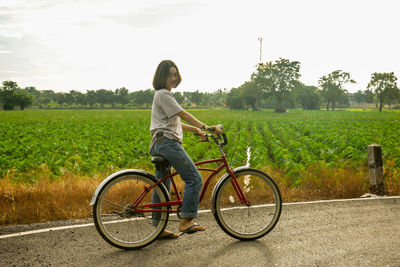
{"x": 182, "y": 163}
{"x": 159, "y": 173}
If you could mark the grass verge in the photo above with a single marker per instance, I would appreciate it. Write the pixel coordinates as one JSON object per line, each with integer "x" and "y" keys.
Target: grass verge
{"x": 69, "y": 196}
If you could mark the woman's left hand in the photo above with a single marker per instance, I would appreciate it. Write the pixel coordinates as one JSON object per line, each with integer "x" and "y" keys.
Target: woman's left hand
{"x": 202, "y": 134}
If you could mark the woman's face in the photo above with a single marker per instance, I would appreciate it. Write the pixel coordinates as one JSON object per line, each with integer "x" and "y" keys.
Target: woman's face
{"x": 172, "y": 79}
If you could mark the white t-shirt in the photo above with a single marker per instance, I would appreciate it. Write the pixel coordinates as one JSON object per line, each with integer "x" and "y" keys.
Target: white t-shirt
{"x": 164, "y": 118}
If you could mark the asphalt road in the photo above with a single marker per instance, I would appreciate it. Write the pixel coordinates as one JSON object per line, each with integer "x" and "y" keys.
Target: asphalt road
{"x": 339, "y": 233}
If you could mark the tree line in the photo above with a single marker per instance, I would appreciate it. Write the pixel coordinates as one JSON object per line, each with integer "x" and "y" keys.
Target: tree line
{"x": 11, "y": 96}
{"x": 274, "y": 84}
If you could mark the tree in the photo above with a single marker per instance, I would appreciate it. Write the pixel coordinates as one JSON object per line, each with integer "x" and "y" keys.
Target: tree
{"x": 277, "y": 79}
{"x": 49, "y": 93}
{"x": 11, "y": 95}
{"x": 61, "y": 98}
{"x": 392, "y": 96}
{"x": 8, "y": 95}
{"x": 234, "y": 100}
{"x": 142, "y": 97}
{"x": 206, "y": 99}
{"x": 43, "y": 100}
{"x": 186, "y": 96}
{"x": 344, "y": 100}
{"x": 196, "y": 97}
{"x": 33, "y": 92}
{"x": 80, "y": 98}
{"x": 23, "y": 100}
{"x": 369, "y": 96}
{"x": 359, "y": 96}
{"x": 252, "y": 95}
{"x": 76, "y": 97}
{"x": 104, "y": 96}
{"x": 91, "y": 97}
{"x": 383, "y": 85}
{"x": 219, "y": 98}
{"x": 178, "y": 97}
{"x": 122, "y": 96}
{"x": 307, "y": 96}
{"x": 72, "y": 97}
{"x": 333, "y": 87}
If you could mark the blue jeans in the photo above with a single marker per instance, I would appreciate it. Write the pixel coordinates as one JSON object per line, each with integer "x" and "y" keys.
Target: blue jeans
{"x": 180, "y": 160}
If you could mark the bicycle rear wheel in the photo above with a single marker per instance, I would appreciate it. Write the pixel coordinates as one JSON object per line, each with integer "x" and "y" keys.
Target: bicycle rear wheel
{"x": 247, "y": 222}
{"x": 116, "y": 220}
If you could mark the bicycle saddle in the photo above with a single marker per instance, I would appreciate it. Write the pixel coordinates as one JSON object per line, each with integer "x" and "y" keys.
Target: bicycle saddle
{"x": 159, "y": 160}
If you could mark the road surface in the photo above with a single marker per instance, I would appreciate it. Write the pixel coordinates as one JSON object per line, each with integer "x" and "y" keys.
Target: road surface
{"x": 356, "y": 232}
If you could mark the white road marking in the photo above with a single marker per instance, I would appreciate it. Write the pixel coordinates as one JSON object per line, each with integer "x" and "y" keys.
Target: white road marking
{"x": 200, "y": 211}
{"x": 46, "y": 230}
{"x": 338, "y": 200}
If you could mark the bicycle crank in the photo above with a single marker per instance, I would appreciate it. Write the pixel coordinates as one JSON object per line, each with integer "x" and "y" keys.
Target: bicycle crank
{"x": 129, "y": 212}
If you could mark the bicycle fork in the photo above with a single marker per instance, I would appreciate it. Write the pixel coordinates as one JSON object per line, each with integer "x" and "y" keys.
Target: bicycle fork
{"x": 237, "y": 189}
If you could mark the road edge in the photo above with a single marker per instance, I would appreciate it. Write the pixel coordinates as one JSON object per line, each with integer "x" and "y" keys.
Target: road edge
{"x": 66, "y": 227}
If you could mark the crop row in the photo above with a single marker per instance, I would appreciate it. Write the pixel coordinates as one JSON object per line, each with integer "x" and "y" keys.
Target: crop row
{"x": 87, "y": 142}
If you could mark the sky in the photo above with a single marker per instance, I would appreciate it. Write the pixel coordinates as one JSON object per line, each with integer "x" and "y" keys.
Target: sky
{"x": 64, "y": 45}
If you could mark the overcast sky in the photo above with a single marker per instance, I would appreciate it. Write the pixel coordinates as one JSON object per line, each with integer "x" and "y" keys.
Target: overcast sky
{"x": 92, "y": 44}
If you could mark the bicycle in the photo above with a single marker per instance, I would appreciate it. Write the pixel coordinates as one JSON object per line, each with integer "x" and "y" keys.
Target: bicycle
{"x": 246, "y": 202}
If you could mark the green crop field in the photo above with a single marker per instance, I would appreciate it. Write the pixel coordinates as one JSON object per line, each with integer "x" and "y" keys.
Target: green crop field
{"x": 51, "y": 161}
{"x": 86, "y": 142}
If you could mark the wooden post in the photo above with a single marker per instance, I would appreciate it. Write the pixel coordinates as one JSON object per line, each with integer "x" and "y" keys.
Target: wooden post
{"x": 375, "y": 165}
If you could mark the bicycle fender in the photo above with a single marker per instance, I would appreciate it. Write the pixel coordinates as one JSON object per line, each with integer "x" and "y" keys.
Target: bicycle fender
{"x": 123, "y": 172}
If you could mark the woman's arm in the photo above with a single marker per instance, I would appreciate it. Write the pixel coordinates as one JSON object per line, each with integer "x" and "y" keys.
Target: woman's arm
{"x": 188, "y": 128}
{"x": 189, "y": 118}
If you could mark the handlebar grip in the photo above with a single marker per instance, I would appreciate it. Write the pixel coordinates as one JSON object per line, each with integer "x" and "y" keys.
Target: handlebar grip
{"x": 212, "y": 129}
{"x": 225, "y": 139}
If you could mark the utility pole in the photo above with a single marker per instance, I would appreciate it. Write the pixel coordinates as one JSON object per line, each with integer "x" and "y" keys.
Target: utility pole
{"x": 260, "y": 39}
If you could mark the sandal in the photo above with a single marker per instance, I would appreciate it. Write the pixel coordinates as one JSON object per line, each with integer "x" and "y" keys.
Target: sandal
{"x": 191, "y": 229}
{"x": 168, "y": 235}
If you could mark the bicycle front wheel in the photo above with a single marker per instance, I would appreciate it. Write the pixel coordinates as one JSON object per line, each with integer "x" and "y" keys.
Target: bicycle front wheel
{"x": 117, "y": 221}
{"x": 255, "y": 219}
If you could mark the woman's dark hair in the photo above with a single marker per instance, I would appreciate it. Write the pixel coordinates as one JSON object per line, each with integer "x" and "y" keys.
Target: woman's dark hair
{"x": 161, "y": 75}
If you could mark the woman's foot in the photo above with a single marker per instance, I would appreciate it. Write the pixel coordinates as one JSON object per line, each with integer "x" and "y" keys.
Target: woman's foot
{"x": 187, "y": 226}
{"x": 168, "y": 235}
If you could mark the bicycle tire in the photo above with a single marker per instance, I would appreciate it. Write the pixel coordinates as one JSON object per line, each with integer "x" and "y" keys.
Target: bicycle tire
{"x": 239, "y": 220}
{"x": 116, "y": 221}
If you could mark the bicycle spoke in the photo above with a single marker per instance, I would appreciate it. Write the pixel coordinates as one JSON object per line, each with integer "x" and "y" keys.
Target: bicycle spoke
{"x": 115, "y": 204}
{"x": 243, "y": 221}
{"x": 116, "y": 219}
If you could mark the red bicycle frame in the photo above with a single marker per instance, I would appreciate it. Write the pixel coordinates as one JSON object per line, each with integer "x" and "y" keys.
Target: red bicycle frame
{"x": 224, "y": 164}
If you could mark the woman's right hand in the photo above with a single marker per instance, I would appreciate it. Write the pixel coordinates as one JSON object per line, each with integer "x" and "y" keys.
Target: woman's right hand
{"x": 215, "y": 129}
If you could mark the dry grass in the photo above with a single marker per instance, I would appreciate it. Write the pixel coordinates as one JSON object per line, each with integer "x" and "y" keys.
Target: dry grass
{"x": 69, "y": 197}
{"x": 332, "y": 183}
{"x": 45, "y": 200}
{"x": 392, "y": 178}
{"x": 325, "y": 183}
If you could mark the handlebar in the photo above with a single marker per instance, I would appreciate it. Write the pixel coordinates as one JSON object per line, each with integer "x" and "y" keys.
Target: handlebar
{"x": 218, "y": 137}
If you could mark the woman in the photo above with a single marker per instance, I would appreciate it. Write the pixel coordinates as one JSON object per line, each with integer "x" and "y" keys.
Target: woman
{"x": 166, "y": 128}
